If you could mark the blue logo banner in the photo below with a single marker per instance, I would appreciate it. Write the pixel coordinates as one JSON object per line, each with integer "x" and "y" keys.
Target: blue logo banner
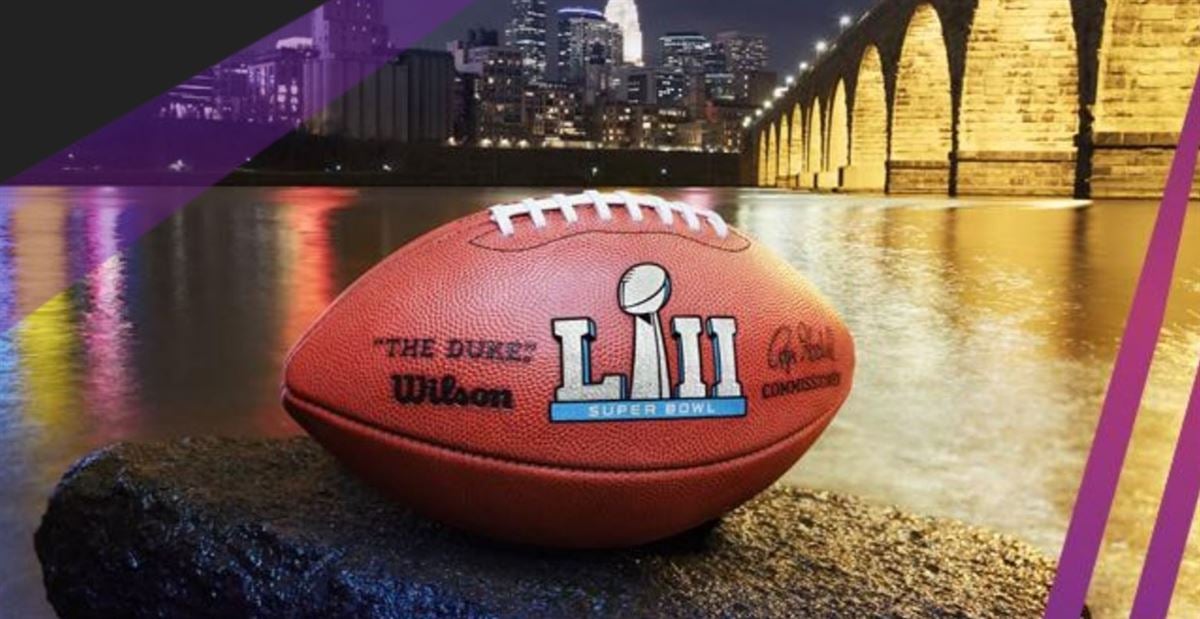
{"x": 647, "y": 410}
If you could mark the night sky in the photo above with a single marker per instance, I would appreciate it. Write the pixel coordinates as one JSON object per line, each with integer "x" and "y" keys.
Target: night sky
{"x": 791, "y": 25}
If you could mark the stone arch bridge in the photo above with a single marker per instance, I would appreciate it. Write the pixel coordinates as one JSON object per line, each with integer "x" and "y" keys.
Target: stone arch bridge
{"x": 1077, "y": 98}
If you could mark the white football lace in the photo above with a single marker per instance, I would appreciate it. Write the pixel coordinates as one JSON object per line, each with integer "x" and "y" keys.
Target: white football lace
{"x": 535, "y": 210}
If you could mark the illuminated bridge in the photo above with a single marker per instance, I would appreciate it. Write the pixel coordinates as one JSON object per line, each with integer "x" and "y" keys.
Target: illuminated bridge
{"x": 974, "y": 97}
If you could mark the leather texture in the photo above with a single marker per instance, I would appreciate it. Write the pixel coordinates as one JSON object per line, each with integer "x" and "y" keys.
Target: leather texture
{"x": 512, "y": 473}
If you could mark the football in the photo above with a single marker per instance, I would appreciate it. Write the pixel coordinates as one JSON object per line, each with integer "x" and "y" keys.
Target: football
{"x": 581, "y": 371}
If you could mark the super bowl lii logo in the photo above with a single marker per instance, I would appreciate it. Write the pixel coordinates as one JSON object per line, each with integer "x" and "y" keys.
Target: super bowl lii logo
{"x": 648, "y": 392}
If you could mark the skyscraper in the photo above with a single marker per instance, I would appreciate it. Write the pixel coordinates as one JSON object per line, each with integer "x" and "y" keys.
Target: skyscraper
{"x": 684, "y": 54}
{"x": 744, "y": 52}
{"x": 494, "y": 87}
{"x": 350, "y": 40}
{"x": 350, "y": 30}
{"x": 624, "y": 14}
{"x": 746, "y": 60}
{"x": 586, "y": 40}
{"x": 276, "y": 81}
{"x": 526, "y": 32}
{"x": 684, "y": 51}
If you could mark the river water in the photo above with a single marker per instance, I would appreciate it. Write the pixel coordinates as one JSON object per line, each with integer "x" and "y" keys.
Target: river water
{"x": 986, "y": 330}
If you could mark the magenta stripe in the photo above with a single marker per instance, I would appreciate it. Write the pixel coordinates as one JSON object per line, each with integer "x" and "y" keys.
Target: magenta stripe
{"x": 1178, "y": 505}
{"x": 1174, "y": 519}
{"x": 1111, "y": 442}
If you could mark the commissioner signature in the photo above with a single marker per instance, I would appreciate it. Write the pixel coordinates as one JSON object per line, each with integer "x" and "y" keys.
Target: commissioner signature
{"x": 801, "y": 343}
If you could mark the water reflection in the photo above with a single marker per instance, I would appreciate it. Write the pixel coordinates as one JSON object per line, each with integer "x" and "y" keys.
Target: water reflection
{"x": 305, "y": 249}
{"x": 986, "y": 331}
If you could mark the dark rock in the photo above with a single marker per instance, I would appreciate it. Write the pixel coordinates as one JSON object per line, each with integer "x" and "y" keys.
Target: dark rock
{"x": 244, "y": 528}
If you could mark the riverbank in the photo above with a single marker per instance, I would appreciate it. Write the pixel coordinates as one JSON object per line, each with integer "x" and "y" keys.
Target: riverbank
{"x": 217, "y": 527}
{"x": 300, "y": 159}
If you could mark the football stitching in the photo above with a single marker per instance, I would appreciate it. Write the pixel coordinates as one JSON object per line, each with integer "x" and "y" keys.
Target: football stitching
{"x": 601, "y": 204}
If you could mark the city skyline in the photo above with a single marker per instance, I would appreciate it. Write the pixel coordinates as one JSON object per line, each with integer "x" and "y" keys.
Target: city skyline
{"x": 792, "y": 28}
{"x": 565, "y": 86}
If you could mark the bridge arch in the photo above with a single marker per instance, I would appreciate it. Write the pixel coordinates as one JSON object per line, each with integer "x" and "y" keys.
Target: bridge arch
{"x": 785, "y": 151}
{"x": 839, "y": 134}
{"x": 1148, "y": 57}
{"x": 772, "y": 154}
{"x": 766, "y": 156}
{"x": 1020, "y": 103}
{"x": 796, "y": 144}
{"x": 813, "y": 139}
{"x": 868, "y": 127}
{"x": 921, "y": 114}
{"x": 762, "y": 158}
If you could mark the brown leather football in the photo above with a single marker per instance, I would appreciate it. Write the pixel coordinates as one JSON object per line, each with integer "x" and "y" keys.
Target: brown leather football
{"x": 593, "y": 370}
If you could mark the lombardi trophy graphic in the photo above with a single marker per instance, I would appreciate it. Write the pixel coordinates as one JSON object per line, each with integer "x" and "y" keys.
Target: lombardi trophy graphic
{"x": 644, "y": 290}
{"x": 647, "y": 392}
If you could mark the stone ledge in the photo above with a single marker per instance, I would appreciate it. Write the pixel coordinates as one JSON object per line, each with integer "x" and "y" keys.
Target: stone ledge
{"x": 1135, "y": 139}
{"x": 993, "y": 156}
{"x": 270, "y": 528}
{"x": 917, "y": 164}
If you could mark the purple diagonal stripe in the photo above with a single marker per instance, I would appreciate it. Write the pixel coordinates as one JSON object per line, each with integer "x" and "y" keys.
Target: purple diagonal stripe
{"x": 139, "y": 136}
{"x": 1111, "y": 442}
{"x": 1174, "y": 519}
{"x": 1178, "y": 505}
